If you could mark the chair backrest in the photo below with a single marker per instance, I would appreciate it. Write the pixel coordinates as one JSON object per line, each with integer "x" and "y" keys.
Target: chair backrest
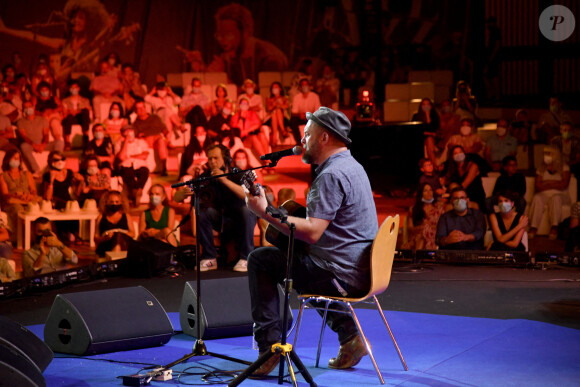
{"x": 383, "y": 255}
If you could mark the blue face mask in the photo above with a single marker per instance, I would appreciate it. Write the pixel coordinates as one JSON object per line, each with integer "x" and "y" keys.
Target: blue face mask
{"x": 460, "y": 205}
{"x": 505, "y": 207}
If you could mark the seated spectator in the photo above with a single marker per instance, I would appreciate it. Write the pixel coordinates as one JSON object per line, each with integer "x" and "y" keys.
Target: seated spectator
{"x": 115, "y": 121}
{"x": 114, "y": 227}
{"x": 193, "y": 99}
{"x": 277, "y": 108}
{"x": 521, "y": 127}
{"x": 549, "y": 122}
{"x": 250, "y": 127}
{"x": 114, "y": 63}
{"x": 131, "y": 155}
{"x": 552, "y": 180}
{"x": 158, "y": 220}
{"x": 106, "y": 89}
{"x": 17, "y": 187}
{"x": 76, "y": 111}
{"x": 427, "y": 114}
{"x": 573, "y": 241}
{"x": 423, "y": 219}
{"x": 448, "y": 126}
{"x": 303, "y": 102}
{"x": 5, "y": 245}
{"x": 255, "y": 100}
{"x": 470, "y": 141}
{"x": 465, "y": 172}
{"x": 194, "y": 154}
{"x": 221, "y": 96}
{"x": 509, "y": 225}
{"x": 133, "y": 89}
{"x": 6, "y": 131}
{"x": 222, "y": 207}
{"x": 33, "y": 132}
{"x": 431, "y": 177}
{"x": 220, "y": 123}
{"x": 500, "y": 145}
{"x": 95, "y": 182}
{"x": 242, "y": 161}
{"x": 151, "y": 128}
{"x": 41, "y": 75}
{"x": 513, "y": 181}
{"x": 569, "y": 145}
{"x": 328, "y": 87}
{"x": 7, "y": 273}
{"x": 464, "y": 103}
{"x": 102, "y": 146}
{"x": 461, "y": 228}
{"x": 164, "y": 103}
{"x": 50, "y": 108}
{"x": 48, "y": 253}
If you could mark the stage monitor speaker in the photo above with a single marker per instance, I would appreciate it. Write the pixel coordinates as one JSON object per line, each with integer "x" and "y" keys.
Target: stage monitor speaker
{"x": 108, "y": 320}
{"x": 17, "y": 369}
{"x": 225, "y": 308}
{"x": 147, "y": 258}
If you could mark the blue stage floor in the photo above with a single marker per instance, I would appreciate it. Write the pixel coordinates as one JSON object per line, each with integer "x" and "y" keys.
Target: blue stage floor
{"x": 439, "y": 350}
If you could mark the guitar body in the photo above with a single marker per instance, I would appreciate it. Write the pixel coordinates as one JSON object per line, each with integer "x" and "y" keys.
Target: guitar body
{"x": 279, "y": 239}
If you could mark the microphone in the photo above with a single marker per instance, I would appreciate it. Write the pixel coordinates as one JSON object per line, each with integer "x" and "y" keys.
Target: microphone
{"x": 297, "y": 150}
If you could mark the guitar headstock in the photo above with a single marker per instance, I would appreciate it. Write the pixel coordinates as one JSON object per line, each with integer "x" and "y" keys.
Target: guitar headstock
{"x": 248, "y": 180}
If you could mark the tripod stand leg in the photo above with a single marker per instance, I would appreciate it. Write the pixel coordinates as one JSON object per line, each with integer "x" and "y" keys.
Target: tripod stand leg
{"x": 253, "y": 367}
{"x": 305, "y": 374}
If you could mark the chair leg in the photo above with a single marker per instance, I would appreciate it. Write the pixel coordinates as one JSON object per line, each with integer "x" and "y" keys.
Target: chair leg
{"x": 321, "y": 333}
{"x": 298, "y": 321}
{"x": 360, "y": 331}
{"x": 391, "y": 333}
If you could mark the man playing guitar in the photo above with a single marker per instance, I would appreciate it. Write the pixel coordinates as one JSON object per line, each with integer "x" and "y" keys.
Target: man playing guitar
{"x": 340, "y": 225}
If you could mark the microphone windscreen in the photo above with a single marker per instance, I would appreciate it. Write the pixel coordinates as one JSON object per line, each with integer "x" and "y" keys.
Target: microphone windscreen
{"x": 297, "y": 150}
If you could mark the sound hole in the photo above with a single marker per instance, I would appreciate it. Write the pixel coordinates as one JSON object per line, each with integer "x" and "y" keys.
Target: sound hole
{"x": 64, "y": 327}
{"x": 191, "y": 316}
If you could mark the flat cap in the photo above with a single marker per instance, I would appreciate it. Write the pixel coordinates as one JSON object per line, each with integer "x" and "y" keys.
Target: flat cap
{"x": 333, "y": 121}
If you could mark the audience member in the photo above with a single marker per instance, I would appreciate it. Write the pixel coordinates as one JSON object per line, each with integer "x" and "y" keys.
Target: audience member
{"x": 470, "y": 141}
{"x": 114, "y": 227}
{"x": 195, "y": 98}
{"x": 569, "y": 145}
{"x": 157, "y": 221}
{"x": 423, "y": 219}
{"x": 552, "y": 180}
{"x": 194, "y": 154}
{"x": 467, "y": 173}
{"x": 164, "y": 103}
{"x": 461, "y": 228}
{"x": 48, "y": 253}
{"x": 131, "y": 155}
{"x": 95, "y": 181}
{"x": 151, "y": 128}
{"x": 328, "y": 87}
{"x": 33, "y": 131}
{"x": 509, "y": 225}
{"x": 221, "y": 96}
{"x": 277, "y": 108}
{"x": 549, "y": 122}
{"x": 102, "y": 146}
{"x": 464, "y": 103}
{"x": 50, "y": 108}
{"x": 250, "y": 127}
{"x": 41, "y": 75}
{"x": 521, "y": 127}
{"x": 242, "y": 161}
{"x": 114, "y": 63}
{"x": 573, "y": 241}
{"x": 500, "y": 145}
{"x": 133, "y": 89}
{"x": 115, "y": 121}
{"x": 17, "y": 186}
{"x": 106, "y": 89}
{"x": 431, "y": 177}
{"x": 303, "y": 102}
{"x": 222, "y": 207}
{"x": 6, "y": 132}
{"x": 512, "y": 181}
{"x": 5, "y": 245}
{"x": 7, "y": 273}
{"x": 76, "y": 111}
{"x": 255, "y": 100}
{"x": 448, "y": 126}
{"x": 427, "y": 114}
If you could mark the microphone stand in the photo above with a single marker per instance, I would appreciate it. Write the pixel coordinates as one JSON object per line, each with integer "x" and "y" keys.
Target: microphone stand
{"x": 199, "y": 348}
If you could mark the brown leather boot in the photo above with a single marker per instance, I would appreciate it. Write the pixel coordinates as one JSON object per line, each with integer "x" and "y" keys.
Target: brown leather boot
{"x": 349, "y": 354}
{"x": 268, "y": 366}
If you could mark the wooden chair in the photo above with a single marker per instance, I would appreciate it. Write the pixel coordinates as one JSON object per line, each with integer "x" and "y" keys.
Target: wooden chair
{"x": 382, "y": 256}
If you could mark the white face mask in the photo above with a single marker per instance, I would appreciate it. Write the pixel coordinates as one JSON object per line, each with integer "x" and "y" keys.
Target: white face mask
{"x": 155, "y": 200}
{"x": 548, "y": 159}
{"x": 460, "y": 205}
{"x": 305, "y": 89}
{"x": 99, "y": 135}
{"x": 59, "y": 165}
{"x": 130, "y": 135}
{"x": 428, "y": 201}
{"x": 201, "y": 139}
{"x": 196, "y": 90}
{"x": 276, "y": 91}
{"x": 115, "y": 113}
{"x": 505, "y": 207}
{"x": 227, "y": 111}
{"x": 14, "y": 164}
{"x": 501, "y": 131}
{"x": 29, "y": 111}
{"x": 250, "y": 90}
{"x": 74, "y": 91}
{"x": 244, "y": 107}
{"x": 92, "y": 171}
{"x": 459, "y": 157}
{"x": 45, "y": 94}
{"x": 465, "y": 130}
{"x": 161, "y": 93}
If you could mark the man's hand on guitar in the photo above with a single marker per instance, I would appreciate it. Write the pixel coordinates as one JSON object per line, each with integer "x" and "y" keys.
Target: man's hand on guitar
{"x": 256, "y": 204}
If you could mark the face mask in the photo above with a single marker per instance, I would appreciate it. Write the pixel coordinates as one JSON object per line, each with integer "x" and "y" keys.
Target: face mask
{"x": 112, "y": 208}
{"x": 45, "y": 94}
{"x": 29, "y": 111}
{"x": 244, "y": 107}
{"x": 548, "y": 159}
{"x": 566, "y": 135}
{"x": 14, "y": 164}
{"x": 58, "y": 165}
{"x": 155, "y": 199}
{"x": 161, "y": 93}
{"x": 276, "y": 91}
{"x": 196, "y": 90}
{"x": 99, "y": 135}
{"x": 460, "y": 205}
{"x": 459, "y": 157}
{"x": 428, "y": 201}
{"x": 74, "y": 91}
{"x": 130, "y": 136}
{"x": 227, "y": 111}
{"x": 115, "y": 113}
{"x": 505, "y": 207}
{"x": 250, "y": 90}
{"x": 465, "y": 130}
{"x": 426, "y": 108}
{"x": 501, "y": 131}
{"x": 201, "y": 139}
{"x": 305, "y": 89}
{"x": 92, "y": 171}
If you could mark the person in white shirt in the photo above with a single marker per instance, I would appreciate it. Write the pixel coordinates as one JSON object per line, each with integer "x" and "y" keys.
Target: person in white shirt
{"x": 256, "y": 103}
{"x": 303, "y": 102}
{"x": 131, "y": 157}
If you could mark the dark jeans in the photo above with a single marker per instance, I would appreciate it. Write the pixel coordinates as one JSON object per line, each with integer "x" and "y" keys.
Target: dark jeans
{"x": 83, "y": 119}
{"x": 267, "y": 269}
{"x": 295, "y": 122}
{"x": 232, "y": 223}
{"x": 134, "y": 178}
